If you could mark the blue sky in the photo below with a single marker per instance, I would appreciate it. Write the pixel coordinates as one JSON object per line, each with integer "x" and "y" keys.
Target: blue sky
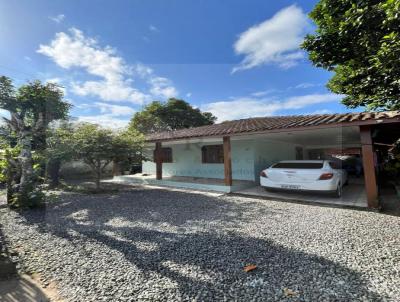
{"x": 233, "y": 58}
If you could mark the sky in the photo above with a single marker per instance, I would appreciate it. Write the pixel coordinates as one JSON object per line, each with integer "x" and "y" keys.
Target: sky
{"x": 234, "y": 58}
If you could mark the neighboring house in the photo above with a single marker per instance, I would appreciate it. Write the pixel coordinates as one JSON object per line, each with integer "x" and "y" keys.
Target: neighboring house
{"x": 233, "y": 153}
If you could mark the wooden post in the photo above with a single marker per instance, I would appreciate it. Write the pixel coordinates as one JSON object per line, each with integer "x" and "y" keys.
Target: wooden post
{"x": 158, "y": 161}
{"x": 369, "y": 166}
{"x": 227, "y": 161}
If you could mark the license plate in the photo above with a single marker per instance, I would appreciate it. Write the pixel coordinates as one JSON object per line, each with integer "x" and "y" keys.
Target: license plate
{"x": 291, "y": 187}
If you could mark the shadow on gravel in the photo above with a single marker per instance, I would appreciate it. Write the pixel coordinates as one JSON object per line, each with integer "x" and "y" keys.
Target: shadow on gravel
{"x": 204, "y": 265}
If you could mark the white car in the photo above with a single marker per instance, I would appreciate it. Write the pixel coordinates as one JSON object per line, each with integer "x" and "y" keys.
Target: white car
{"x": 305, "y": 175}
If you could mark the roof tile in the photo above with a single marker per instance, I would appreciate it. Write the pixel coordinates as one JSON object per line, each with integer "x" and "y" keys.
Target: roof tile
{"x": 271, "y": 123}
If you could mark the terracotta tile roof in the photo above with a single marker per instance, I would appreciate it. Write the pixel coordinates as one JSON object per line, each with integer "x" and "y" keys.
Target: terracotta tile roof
{"x": 257, "y": 124}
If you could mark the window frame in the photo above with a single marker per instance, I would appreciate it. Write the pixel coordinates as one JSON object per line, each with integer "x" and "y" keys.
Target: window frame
{"x": 214, "y": 158}
{"x": 166, "y": 155}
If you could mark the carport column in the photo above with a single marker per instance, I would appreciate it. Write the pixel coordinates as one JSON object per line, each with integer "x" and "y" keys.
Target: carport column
{"x": 227, "y": 161}
{"x": 369, "y": 166}
{"x": 158, "y": 161}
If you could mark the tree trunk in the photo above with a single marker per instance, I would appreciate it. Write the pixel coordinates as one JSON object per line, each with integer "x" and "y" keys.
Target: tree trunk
{"x": 97, "y": 174}
{"x": 12, "y": 179}
{"x": 97, "y": 180}
{"x": 53, "y": 172}
{"x": 116, "y": 169}
{"x": 25, "y": 159}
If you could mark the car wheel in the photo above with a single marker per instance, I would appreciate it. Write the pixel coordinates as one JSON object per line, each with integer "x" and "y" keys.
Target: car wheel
{"x": 338, "y": 192}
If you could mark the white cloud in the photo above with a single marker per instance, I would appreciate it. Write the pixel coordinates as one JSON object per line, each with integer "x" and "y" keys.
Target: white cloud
{"x": 114, "y": 110}
{"x": 188, "y": 95}
{"x": 274, "y": 41}
{"x": 162, "y": 87}
{"x": 253, "y": 107}
{"x": 53, "y": 80}
{"x": 74, "y": 50}
{"x": 263, "y": 92}
{"x": 141, "y": 70}
{"x": 306, "y": 85}
{"x": 153, "y": 28}
{"x": 105, "y": 120}
{"x": 58, "y": 19}
{"x": 239, "y": 108}
{"x": 109, "y": 91}
{"x": 111, "y": 116}
{"x": 28, "y": 58}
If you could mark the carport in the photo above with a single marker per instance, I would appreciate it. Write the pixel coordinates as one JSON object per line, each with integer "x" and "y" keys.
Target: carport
{"x": 333, "y": 143}
{"x": 239, "y": 150}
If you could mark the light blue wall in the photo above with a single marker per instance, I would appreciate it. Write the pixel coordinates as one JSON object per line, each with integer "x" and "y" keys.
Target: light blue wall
{"x": 249, "y": 157}
{"x": 187, "y": 162}
{"x": 267, "y": 153}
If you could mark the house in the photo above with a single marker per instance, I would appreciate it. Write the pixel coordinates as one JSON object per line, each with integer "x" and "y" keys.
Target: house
{"x": 229, "y": 156}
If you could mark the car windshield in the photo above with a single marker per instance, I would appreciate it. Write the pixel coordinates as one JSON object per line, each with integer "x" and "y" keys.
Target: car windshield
{"x": 297, "y": 165}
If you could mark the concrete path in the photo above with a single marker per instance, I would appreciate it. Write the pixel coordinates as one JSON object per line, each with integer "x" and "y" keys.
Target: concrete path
{"x": 24, "y": 288}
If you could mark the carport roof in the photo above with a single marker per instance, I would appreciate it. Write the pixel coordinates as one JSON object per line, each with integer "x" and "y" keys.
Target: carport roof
{"x": 272, "y": 123}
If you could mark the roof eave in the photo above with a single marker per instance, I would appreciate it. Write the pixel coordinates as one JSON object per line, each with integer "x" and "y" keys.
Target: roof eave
{"x": 289, "y": 129}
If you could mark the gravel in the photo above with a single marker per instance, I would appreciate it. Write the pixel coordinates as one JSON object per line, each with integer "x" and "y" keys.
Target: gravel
{"x": 151, "y": 244}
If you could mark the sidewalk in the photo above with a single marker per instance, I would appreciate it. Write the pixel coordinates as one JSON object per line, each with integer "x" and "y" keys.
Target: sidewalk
{"x": 21, "y": 288}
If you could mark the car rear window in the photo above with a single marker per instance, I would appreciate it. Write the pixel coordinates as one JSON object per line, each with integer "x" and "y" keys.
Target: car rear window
{"x": 299, "y": 165}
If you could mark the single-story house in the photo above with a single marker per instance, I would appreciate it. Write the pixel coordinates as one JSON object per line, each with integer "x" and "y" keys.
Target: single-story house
{"x": 230, "y": 155}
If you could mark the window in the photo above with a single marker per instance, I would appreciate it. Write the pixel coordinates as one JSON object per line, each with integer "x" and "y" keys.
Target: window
{"x": 298, "y": 165}
{"x": 166, "y": 155}
{"x": 212, "y": 154}
{"x": 335, "y": 165}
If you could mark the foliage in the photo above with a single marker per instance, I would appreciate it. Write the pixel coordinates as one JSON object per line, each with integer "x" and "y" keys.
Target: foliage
{"x": 148, "y": 120}
{"x": 32, "y": 107}
{"x": 98, "y": 147}
{"x": 8, "y": 163}
{"x": 59, "y": 149}
{"x": 93, "y": 145}
{"x": 171, "y": 115}
{"x": 31, "y": 196}
{"x": 127, "y": 147}
{"x": 360, "y": 42}
{"x": 59, "y": 142}
{"x": 7, "y": 137}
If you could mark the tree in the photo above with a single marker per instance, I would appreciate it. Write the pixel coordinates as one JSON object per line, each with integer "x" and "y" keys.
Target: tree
{"x": 93, "y": 145}
{"x": 32, "y": 107}
{"x": 172, "y": 115}
{"x": 59, "y": 149}
{"x": 128, "y": 146}
{"x": 360, "y": 42}
{"x": 98, "y": 147}
{"x": 148, "y": 120}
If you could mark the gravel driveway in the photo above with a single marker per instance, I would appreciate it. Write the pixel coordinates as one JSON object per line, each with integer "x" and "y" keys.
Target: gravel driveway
{"x": 164, "y": 245}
